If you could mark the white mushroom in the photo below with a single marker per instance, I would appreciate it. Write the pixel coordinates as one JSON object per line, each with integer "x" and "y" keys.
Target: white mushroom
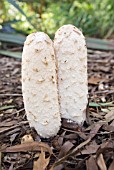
{"x": 71, "y": 55}
{"x": 39, "y": 84}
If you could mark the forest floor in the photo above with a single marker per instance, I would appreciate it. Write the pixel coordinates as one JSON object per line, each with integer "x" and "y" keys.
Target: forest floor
{"x": 89, "y": 147}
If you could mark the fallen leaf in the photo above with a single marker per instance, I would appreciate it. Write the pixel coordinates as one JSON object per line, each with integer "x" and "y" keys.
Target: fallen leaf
{"x": 105, "y": 146}
{"x": 111, "y": 167}
{"x": 108, "y": 128}
{"x": 31, "y": 146}
{"x": 79, "y": 133}
{"x": 90, "y": 149}
{"x": 0, "y": 159}
{"x": 101, "y": 162}
{"x": 59, "y": 167}
{"x": 5, "y": 129}
{"x": 97, "y": 115}
{"x": 8, "y": 123}
{"x": 9, "y": 111}
{"x": 94, "y": 130}
{"x": 67, "y": 168}
{"x": 11, "y": 166}
{"x": 110, "y": 115}
{"x": 91, "y": 164}
{"x": 72, "y": 153}
{"x": 42, "y": 162}
{"x": 65, "y": 148}
{"x": 71, "y": 136}
{"x": 60, "y": 139}
{"x": 94, "y": 80}
{"x": 13, "y": 136}
{"x": 112, "y": 124}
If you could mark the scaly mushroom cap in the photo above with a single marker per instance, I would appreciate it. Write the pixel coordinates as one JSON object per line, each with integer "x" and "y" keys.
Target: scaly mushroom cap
{"x": 39, "y": 84}
{"x": 71, "y": 55}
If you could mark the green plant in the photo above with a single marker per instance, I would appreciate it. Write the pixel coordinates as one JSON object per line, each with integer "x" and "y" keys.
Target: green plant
{"x": 95, "y": 18}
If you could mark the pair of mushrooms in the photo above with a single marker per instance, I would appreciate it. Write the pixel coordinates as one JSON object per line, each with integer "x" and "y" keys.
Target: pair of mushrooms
{"x": 54, "y": 79}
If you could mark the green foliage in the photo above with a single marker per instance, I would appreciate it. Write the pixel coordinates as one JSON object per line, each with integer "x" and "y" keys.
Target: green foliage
{"x": 94, "y": 17}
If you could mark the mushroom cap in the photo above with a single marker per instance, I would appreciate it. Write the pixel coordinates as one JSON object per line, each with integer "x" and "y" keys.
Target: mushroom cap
{"x": 71, "y": 56}
{"x": 39, "y": 84}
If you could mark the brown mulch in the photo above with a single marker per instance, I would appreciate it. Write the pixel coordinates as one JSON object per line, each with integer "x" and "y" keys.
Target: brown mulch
{"x": 88, "y": 147}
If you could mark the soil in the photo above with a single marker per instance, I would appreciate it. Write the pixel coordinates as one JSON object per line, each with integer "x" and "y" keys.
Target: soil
{"x": 90, "y": 146}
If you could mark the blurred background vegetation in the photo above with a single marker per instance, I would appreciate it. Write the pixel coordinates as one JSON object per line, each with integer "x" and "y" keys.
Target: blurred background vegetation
{"x": 94, "y": 17}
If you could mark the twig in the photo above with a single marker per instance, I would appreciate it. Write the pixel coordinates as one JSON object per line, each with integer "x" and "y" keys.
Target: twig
{"x": 13, "y": 127}
{"x": 100, "y": 133}
{"x": 8, "y": 94}
{"x": 18, "y": 111}
{"x": 106, "y": 91}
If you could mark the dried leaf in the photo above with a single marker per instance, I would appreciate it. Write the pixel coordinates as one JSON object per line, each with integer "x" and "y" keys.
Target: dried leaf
{"x": 91, "y": 164}
{"x": 97, "y": 115}
{"x": 67, "y": 168}
{"x": 73, "y": 152}
{"x": 112, "y": 124}
{"x": 101, "y": 162}
{"x": 59, "y": 167}
{"x": 79, "y": 133}
{"x": 71, "y": 136}
{"x": 11, "y": 167}
{"x": 13, "y": 136}
{"x": 5, "y": 129}
{"x": 111, "y": 167}
{"x": 90, "y": 149}
{"x": 60, "y": 139}
{"x": 105, "y": 148}
{"x": 108, "y": 128}
{"x": 65, "y": 148}
{"x": 0, "y": 159}
{"x": 52, "y": 168}
{"x": 7, "y": 123}
{"x": 94, "y": 130}
{"x": 110, "y": 115}
{"x": 42, "y": 162}
{"x": 31, "y": 146}
{"x": 94, "y": 80}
